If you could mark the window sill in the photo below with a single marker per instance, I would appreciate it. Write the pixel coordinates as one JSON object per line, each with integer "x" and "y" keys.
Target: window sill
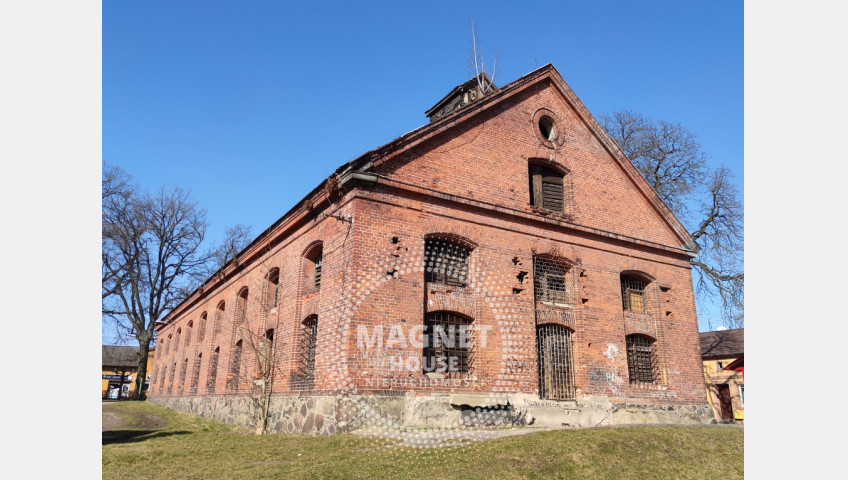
{"x": 559, "y": 305}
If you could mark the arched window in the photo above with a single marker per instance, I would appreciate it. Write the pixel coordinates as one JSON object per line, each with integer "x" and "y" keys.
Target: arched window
{"x": 213, "y": 371}
{"x": 195, "y": 378}
{"x": 183, "y": 370}
{"x": 272, "y": 289}
{"x": 556, "y": 371}
{"x": 313, "y": 267}
{"x": 446, "y": 262}
{"x": 160, "y": 378}
{"x": 241, "y": 306}
{"x": 171, "y": 378}
{"x": 266, "y": 352}
{"x": 219, "y": 319}
{"x": 633, "y": 294}
{"x": 201, "y": 331}
{"x": 447, "y": 343}
{"x": 641, "y": 359}
{"x": 177, "y": 340}
{"x": 188, "y": 334}
{"x": 235, "y": 368}
{"x": 308, "y": 343}
{"x": 553, "y": 280}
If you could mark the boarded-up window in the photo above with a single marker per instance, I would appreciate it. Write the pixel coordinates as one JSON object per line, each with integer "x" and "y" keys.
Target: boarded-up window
{"x": 446, "y": 263}
{"x": 641, "y": 359}
{"x": 447, "y": 343}
{"x": 633, "y": 294}
{"x": 546, "y": 188}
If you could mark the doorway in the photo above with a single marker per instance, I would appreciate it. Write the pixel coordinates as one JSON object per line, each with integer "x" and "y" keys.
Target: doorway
{"x": 556, "y": 372}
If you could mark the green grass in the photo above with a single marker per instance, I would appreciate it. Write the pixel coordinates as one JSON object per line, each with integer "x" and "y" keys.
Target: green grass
{"x": 195, "y": 448}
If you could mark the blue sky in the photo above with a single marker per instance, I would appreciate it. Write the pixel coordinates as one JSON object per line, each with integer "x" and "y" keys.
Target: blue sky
{"x": 249, "y": 105}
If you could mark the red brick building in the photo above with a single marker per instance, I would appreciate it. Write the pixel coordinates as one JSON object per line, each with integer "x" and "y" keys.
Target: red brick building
{"x": 504, "y": 258}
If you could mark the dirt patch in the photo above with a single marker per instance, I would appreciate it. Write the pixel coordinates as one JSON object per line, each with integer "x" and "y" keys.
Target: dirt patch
{"x": 115, "y": 420}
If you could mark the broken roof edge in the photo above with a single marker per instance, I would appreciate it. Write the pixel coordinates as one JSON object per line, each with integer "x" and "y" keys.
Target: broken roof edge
{"x": 458, "y": 88}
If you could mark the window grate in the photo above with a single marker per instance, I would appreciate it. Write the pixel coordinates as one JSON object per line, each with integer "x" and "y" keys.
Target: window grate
{"x": 633, "y": 294}
{"x": 552, "y": 281}
{"x": 448, "y": 343}
{"x": 446, "y": 263}
{"x": 556, "y": 370}
{"x": 641, "y": 359}
{"x": 308, "y": 346}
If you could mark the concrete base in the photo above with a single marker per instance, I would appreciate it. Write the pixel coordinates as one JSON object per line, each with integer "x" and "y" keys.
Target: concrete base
{"x": 326, "y": 415}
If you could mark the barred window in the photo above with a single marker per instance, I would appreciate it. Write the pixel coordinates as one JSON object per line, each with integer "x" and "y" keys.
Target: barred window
{"x": 446, "y": 263}
{"x": 633, "y": 294}
{"x": 307, "y": 346}
{"x": 235, "y": 368}
{"x": 552, "y": 281}
{"x": 546, "y": 188}
{"x": 641, "y": 359}
{"x": 213, "y": 371}
{"x": 273, "y": 287}
{"x": 317, "y": 277}
{"x": 177, "y": 340}
{"x": 556, "y": 371}
{"x": 447, "y": 343}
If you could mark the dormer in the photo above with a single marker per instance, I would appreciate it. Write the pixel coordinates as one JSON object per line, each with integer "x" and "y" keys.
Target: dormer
{"x": 470, "y": 91}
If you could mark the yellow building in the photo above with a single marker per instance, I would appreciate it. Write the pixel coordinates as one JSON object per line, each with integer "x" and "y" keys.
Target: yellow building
{"x": 119, "y": 370}
{"x": 725, "y": 382}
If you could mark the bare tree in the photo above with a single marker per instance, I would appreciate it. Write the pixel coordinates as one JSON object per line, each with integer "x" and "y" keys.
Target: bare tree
{"x": 477, "y": 63}
{"x": 254, "y": 322}
{"x": 152, "y": 255}
{"x": 670, "y": 158}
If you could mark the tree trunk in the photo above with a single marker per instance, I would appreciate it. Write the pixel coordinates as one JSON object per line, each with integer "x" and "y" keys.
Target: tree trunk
{"x": 143, "y": 352}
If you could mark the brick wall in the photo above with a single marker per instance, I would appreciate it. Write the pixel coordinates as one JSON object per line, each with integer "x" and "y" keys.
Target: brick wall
{"x": 465, "y": 181}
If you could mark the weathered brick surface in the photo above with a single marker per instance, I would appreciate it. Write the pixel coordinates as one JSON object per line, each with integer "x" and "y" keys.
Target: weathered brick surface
{"x": 463, "y": 179}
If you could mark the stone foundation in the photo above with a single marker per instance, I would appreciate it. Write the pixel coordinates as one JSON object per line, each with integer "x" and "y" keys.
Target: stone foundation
{"x": 327, "y": 415}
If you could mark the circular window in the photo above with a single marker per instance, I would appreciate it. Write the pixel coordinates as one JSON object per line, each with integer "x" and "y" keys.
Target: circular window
{"x": 547, "y": 128}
